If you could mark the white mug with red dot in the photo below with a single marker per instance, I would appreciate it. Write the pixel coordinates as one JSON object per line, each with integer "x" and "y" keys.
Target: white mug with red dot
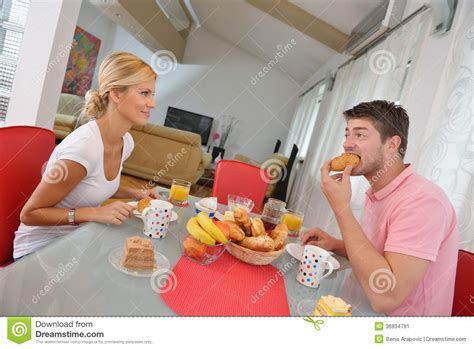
{"x": 313, "y": 264}
{"x": 156, "y": 218}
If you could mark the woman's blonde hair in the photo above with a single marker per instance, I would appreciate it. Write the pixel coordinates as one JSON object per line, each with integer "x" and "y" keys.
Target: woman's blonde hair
{"x": 119, "y": 70}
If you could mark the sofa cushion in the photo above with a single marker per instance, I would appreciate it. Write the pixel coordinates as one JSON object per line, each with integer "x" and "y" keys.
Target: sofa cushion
{"x": 278, "y": 156}
{"x": 246, "y": 159}
{"x": 151, "y": 174}
{"x": 205, "y": 160}
{"x": 65, "y": 120}
{"x": 138, "y": 128}
{"x": 162, "y": 155}
{"x": 70, "y": 104}
{"x": 173, "y": 134}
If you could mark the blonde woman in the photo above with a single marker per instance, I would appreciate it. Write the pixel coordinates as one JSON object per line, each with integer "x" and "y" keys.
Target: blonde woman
{"x": 84, "y": 169}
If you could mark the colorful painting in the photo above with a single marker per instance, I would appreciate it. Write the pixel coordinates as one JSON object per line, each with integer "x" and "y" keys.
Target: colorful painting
{"x": 81, "y": 65}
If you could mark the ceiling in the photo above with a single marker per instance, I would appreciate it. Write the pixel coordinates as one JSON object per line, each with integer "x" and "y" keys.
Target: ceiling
{"x": 261, "y": 34}
{"x": 342, "y": 14}
{"x": 299, "y": 35}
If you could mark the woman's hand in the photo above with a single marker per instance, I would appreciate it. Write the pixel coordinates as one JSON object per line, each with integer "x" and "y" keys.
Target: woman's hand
{"x": 113, "y": 213}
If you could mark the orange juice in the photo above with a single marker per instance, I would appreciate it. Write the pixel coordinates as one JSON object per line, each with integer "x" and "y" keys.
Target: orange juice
{"x": 292, "y": 221}
{"x": 179, "y": 192}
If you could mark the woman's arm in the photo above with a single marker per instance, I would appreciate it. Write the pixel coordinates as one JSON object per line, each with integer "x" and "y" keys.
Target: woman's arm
{"x": 39, "y": 209}
{"x": 130, "y": 193}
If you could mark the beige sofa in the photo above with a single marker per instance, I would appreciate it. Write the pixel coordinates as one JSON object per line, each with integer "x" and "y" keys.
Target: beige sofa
{"x": 162, "y": 154}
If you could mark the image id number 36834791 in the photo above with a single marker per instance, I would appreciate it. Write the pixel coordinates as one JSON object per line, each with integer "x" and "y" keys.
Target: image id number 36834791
{"x": 397, "y": 326}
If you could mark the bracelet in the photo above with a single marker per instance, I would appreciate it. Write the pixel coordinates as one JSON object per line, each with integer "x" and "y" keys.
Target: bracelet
{"x": 71, "y": 216}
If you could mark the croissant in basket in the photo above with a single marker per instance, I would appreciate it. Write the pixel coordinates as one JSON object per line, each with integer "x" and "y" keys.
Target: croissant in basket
{"x": 279, "y": 235}
{"x": 242, "y": 218}
{"x": 262, "y": 243}
{"x": 236, "y": 233}
{"x": 250, "y": 233}
{"x": 257, "y": 228}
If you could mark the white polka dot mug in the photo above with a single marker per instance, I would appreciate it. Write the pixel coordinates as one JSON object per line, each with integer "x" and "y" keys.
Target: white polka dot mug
{"x": 314, "y": 263}
{"x": 156, "y": 218}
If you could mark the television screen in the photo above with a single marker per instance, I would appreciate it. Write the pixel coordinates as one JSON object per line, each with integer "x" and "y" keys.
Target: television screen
{"x": 188, "y": 121}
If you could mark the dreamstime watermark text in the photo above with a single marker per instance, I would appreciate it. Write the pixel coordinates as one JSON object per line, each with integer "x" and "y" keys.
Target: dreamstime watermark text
{"x": 282, "y": 51}
{"x": 170, "y": 163}
{"x": 270, "y": 283}
{"x": 62, "y": 272}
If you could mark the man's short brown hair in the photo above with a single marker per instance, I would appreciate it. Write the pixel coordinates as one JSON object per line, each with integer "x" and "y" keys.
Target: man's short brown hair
{"x": 388, "y": 118}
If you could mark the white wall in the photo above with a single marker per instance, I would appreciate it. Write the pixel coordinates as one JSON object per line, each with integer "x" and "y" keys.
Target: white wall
{"x": 217, "y": 81}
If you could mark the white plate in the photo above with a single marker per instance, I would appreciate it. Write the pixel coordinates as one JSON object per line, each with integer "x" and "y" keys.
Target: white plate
{"x": 115, "y": 258}
{"x": 136, "y": 213}
{"x": 296, "y": 250}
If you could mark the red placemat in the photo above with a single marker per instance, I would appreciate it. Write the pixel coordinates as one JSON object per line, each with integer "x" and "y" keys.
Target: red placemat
{"x": 227, "y": 287}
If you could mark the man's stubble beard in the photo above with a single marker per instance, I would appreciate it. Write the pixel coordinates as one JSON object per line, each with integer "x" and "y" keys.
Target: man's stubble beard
{"x": 369, "y": 166}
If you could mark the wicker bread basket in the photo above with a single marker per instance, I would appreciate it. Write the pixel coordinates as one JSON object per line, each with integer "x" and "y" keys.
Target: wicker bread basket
{"x": 253, "y": 257}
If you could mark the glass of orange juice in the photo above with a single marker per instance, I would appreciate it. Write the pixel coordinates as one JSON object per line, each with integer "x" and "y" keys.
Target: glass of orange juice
{"x": 179, "y": 192}
{"x": 294, "y": 222}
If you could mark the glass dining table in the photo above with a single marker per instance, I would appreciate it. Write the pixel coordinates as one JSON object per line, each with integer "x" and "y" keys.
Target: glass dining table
{"x": 72, "y": 276}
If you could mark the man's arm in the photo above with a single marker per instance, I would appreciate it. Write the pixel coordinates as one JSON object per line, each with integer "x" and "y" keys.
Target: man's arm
{"x": 386, "y": 279}
{"x": 402, "y": 273}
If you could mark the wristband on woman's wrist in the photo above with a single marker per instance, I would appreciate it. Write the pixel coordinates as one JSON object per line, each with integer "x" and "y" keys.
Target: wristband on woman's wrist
{"x": 71, "y": 216}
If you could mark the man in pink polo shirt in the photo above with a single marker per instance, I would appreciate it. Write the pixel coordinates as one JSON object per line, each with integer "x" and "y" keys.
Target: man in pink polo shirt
{"x": 404, "y": 251}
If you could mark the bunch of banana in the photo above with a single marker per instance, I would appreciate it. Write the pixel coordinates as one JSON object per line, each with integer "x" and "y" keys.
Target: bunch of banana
{"x": 202, "y": 228}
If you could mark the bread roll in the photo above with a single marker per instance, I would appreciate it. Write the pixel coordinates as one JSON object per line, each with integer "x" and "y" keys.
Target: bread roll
{"x": 257, "y": 227}
{"x": 281, "y": 226}
{"x": 339, "y": 163}
{"x": 143, "y": 203}
{"x": 242, "y": 218}
{"x": 262, "y": 243}
{"x": 236, "y": 233}
{"x": 279, "y": 236}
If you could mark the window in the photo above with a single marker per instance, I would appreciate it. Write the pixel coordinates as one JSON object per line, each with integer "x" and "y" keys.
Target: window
{"x": 13, "y": 14}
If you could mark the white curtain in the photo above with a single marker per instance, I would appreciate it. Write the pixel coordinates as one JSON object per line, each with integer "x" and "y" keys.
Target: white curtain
{"x": 378, "y": 74}
{"x": 447, "y": 152}
{"x": 304, "y": 120}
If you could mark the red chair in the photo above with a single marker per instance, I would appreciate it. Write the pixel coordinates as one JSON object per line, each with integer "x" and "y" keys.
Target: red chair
{"x": 23, "y": 152}
{"x": 463, "y": 304}
{"x": 239, "y": 178}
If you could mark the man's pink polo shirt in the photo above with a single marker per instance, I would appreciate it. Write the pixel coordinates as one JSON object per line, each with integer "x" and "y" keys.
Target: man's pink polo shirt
{"x": 413, "y": 216}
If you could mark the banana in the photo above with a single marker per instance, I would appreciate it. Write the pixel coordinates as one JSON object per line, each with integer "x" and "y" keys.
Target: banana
{"x": 208, "y": 225}
{"x": 198, "y": 233}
